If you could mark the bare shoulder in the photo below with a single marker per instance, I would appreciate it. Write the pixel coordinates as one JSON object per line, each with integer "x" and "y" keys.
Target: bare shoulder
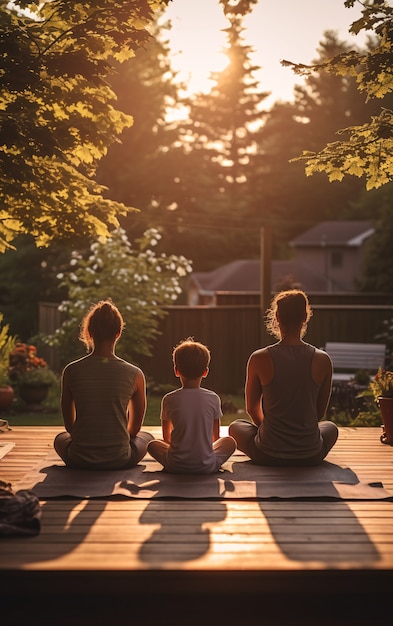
{"x": 322, "y": 366}
{"x": 261, "y": 353}
{"x": 259, "y": 357}
{"x": 260, "y": 366}
{"x": 322, "y": 356}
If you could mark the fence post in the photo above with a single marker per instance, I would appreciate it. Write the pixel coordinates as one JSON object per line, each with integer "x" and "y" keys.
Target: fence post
{"x": 265, "y": 276}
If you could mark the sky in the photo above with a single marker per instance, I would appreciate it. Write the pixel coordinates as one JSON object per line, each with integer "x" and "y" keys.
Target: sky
{"x": 276, "y": 30}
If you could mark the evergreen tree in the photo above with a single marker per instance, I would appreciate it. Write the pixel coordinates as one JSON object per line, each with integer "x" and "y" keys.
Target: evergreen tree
{"x": 366, "y": 151}
{"x": 220, "y": 141}
{"x": 325, "y": 102}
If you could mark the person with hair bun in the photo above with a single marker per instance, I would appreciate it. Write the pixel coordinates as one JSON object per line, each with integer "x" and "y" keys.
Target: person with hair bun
{"x": 103, "y": 399}
{"x": 287, "y": 392}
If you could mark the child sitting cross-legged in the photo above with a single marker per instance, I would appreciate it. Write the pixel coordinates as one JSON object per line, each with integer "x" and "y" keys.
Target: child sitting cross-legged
{"x": 191, "y": 417}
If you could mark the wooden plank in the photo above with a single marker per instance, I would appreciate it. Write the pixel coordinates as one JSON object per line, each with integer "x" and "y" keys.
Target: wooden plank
{"x": 235, "y": 555}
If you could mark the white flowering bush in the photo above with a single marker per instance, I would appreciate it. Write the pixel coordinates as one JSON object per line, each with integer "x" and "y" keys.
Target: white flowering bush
{"x": 138, "y": 280}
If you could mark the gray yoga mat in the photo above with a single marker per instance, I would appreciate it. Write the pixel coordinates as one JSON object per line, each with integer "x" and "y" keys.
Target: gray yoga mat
{"x": 239, "y": 479}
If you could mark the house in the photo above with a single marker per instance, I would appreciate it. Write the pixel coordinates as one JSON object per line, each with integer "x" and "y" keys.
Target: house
{"x": 327, "y": 258}
{"x": 335, "y": 251}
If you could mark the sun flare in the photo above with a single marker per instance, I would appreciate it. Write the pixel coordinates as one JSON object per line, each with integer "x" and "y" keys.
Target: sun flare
{"x": 274, "y": 31}
{"x": 197, "y": 47}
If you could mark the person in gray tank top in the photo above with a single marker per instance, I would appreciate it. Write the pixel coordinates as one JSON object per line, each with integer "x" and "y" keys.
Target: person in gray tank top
{"x": 287, "y": 392}
{"x": 103, "y": 399}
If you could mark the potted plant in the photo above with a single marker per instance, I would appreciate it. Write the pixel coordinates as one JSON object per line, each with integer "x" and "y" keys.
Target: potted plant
{"x": 382, "y": 388}
{"x": 30, "y": 373}
{"x": 7, "y": 344}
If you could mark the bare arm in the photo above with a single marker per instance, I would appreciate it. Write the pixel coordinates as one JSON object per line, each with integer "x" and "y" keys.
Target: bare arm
{"x": 216, "y": 430}
{"x": 67, "y": 404}
{"x": 253, "y": 390}
{"x": 167, "y": 428}
{"x": 137, "y": 405}
{"x": 322, "y": 372}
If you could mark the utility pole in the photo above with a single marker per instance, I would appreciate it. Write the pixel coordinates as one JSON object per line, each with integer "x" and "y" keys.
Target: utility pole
{"x": 266, "y": 269}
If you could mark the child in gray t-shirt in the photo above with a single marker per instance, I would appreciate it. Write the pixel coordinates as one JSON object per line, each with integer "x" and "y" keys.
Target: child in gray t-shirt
{"x": 190, "y": 418}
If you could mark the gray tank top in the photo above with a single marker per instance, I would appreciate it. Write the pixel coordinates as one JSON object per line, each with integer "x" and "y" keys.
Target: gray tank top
{"x": 289, "y": 402}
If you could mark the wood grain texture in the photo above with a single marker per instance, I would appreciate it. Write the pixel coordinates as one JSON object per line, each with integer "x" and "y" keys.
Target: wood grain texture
{"x": 240, "y": 554}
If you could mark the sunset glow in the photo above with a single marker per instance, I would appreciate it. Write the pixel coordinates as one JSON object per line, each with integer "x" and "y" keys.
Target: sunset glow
{"x": 275, "y": 31}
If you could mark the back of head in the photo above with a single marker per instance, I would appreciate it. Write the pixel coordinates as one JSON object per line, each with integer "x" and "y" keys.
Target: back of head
{"x": 191, "y": 358}
{"x": 293, "y": 310}
{"x": 103, "y": 322}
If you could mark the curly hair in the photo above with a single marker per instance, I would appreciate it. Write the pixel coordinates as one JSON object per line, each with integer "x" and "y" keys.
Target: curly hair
{"x": 102, "y": 322}
{"x": 293, "y": 309}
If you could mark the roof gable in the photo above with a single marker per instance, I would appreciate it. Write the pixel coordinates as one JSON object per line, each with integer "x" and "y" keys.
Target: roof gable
{"x": 241, "y": 275}
{"x": 345, "y": 233}
{"x": 244, "y": 277}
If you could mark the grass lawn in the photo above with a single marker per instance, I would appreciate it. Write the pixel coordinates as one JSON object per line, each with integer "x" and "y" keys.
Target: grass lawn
{"x": 49, "y": 415}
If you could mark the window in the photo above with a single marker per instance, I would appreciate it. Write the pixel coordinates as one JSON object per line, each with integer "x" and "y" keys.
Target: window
{"x": 336, "y": 258}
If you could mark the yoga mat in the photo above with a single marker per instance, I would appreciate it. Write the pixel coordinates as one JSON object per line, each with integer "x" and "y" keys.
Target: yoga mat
{"x": 239, "y": 479}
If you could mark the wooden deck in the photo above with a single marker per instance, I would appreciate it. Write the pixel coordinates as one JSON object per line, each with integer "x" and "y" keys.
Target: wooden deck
{"x": 203, "y": 562}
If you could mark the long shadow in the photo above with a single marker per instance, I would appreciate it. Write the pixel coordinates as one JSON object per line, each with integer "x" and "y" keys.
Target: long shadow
{"x": 66, "y": 522}
{"x": 173, "y": 541}
{"x": 325, "y": 532}
{"x": 310, "y": 540}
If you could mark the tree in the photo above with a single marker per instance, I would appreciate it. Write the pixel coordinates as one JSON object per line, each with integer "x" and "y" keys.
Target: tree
{"x": 377, "y": 273}
{"x": 138, "y": 280}
{"x": 292, "y": 202}
{"x": 219, "y": 139}
{"x": 58, "y": 113}
{"x": 141, "y": 169}
{"x": 27, "y": 277}
{"x": 369, "y": 148}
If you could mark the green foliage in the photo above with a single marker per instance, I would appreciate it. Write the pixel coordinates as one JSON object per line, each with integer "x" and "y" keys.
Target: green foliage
{"x": 368, "y": 150}
{"x": 7, "y": 344}
{"x": 286, "y": 198}
{"x": 27, "y": 277}
{"x": 58, "y": 113}
{"x": 382, "y": 384}
{"x": 143, "y": 169}
{"x": 139, "y": 281}
{"x": 377, "y": 272}
{"x": 367, "y": 419}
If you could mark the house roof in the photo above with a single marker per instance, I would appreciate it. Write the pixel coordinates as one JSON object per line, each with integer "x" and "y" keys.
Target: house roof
{"x": 345, "y": 233}
{"x": 243, "y": 276}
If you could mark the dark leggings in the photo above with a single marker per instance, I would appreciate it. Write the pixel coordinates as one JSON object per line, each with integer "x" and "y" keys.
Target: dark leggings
{"x": 244, "y": 433}
{"x": 138, "y": 447}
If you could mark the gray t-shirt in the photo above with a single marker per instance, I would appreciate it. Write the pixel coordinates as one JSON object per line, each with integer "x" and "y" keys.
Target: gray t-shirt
{"x": 101, "y": 389}
{"x": 289, "y": 402}
{"x": 192, "y": 413}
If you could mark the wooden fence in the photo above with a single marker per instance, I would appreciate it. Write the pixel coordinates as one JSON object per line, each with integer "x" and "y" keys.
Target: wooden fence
{"x": 233, "y": 332}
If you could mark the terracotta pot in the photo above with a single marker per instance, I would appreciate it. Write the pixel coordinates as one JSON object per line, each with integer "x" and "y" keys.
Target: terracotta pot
{"x": 386, "y": 407}
{"x": 33, "y": 394}
{"x": 6, "y": 397}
